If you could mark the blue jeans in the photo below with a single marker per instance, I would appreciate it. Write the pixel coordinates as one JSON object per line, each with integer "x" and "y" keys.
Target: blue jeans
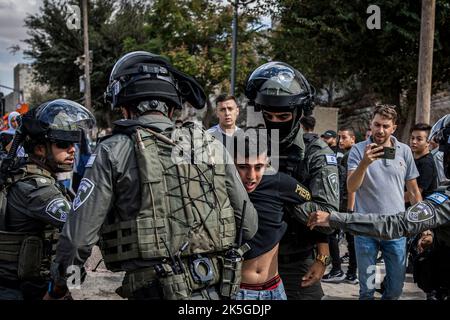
{"x": 394, "y": 256}
{"x": 275, "y": 294}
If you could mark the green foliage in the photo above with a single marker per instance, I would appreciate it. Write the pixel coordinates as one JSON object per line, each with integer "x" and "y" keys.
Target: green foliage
{"x": 195, "y": 35}
{"x": 330, "y": 42}
{"x": 54, "y": 47}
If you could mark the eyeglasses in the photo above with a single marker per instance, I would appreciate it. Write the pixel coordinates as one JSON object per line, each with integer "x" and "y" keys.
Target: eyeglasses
{"x": 63, "y": 144}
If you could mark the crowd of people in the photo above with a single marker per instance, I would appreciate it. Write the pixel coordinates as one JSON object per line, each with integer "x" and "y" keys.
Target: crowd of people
{"x": 223, "y": 213}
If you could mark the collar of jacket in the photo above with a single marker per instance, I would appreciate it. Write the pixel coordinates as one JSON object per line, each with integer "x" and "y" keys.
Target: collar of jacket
{"x": 298, "y": 142}
{"x": 157, "y": 120}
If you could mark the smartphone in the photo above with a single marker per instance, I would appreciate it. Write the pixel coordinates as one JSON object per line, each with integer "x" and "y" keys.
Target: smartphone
{"x": 388, "y": 152}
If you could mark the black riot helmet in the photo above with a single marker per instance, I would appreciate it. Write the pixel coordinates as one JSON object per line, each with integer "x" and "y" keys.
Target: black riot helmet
{"x": 55, "y": 121}
{"x": 440, "y": 133}
{"x": 149, "y": 82}
{"x": 278, "y": 87}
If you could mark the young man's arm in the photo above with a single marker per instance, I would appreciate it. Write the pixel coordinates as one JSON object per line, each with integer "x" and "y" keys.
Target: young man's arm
{"x": 413, "y": 191}
{"x": 411, "y": 178}
{"x": 357, "y": 166}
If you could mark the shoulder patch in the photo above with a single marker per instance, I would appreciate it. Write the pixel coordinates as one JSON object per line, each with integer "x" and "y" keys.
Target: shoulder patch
{"x": 331, "y": 159}
{"x": 58, "y": 209}
{"x": 333, "y": 181}
{"x": 84, "y": 191}
{"x": 437, "y": 198}
{"x": 91, "y": 160}
{"x": 302, "y": 192}
{"x": 420, "y": 212}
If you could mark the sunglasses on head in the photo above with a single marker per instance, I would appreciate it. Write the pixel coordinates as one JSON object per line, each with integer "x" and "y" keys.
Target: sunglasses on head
{"x": 63, "y": 144}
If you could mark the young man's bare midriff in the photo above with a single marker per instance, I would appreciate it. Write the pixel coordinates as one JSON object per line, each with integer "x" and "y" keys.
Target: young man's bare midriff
{"x": 262, "y": 268}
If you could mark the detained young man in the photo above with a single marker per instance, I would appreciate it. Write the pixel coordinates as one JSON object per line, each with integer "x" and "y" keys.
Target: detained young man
{"x": 269, "y": 192}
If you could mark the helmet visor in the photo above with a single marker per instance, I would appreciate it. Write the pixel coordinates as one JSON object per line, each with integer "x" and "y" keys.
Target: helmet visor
{"x": 65, "y": 119}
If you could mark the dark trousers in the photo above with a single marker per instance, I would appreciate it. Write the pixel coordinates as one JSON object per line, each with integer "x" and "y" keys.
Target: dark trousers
{"x": 333, "y": 243}
{"x": 292, "y": 273}
{"x": 352, "y": 265}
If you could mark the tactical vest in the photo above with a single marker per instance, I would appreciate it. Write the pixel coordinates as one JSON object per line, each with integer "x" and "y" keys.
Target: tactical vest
{"x": 28, "y": 253}
{"x": 185, "y": 210}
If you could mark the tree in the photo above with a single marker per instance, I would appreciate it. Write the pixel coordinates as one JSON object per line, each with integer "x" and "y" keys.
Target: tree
{"x": 196, "y": 36}
{"x": 54, "y": 47}
{"x": 330, "y": 42}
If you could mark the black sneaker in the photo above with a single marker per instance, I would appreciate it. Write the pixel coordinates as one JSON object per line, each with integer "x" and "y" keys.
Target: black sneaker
{"x": 345, "y": 258}
{"x": 351, "y": 278}
{"x": 334, "y": 277}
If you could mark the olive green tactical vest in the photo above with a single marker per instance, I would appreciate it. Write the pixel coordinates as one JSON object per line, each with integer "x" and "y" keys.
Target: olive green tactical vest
{"x": 180, "y": 202}
{"x": 24, "y": 251}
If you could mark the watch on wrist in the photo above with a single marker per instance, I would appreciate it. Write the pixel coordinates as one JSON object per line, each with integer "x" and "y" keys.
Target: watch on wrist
{"x": 324, "y": 259}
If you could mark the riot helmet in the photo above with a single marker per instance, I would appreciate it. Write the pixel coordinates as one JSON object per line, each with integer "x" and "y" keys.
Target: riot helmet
{"x": 278, "y": 87}
{"x": 57, "y": 121}
{"x": 149, "y": 82}
{"x": 440, "y": 133}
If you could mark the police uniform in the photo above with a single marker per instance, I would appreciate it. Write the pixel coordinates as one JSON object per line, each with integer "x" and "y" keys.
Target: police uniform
{"x": 312, "y": 163}
{"x": 431, "y": 214}
{"x": 32, "y": 205}
{"x": 110, "y": 194}
{"x": 35, "y": 207}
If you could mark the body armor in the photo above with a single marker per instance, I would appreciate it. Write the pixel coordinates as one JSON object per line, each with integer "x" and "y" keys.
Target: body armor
{"x": 29, "y": 253}
{"x": 186, "y": 221}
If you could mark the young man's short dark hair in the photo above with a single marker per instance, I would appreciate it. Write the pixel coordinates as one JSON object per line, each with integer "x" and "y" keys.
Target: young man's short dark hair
{"x": 309, "y": 123}
{"x": 350, "y": 131}
{"x": 249, "y": 144}
{"x": 421, "y": 127}
{"x": 225, "y": 97}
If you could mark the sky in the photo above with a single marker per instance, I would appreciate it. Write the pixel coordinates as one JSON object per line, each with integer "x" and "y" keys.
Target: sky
{"x": 12, "y": 31}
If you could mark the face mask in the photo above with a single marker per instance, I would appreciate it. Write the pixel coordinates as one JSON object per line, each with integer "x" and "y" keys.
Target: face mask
{"x": 284, "y": 128}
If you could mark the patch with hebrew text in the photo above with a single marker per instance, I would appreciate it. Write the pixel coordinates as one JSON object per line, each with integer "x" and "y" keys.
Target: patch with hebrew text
{"x": 420, "y": 212}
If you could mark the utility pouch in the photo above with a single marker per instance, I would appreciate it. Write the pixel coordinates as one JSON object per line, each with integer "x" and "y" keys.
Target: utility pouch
{"x": 30, "y": 258}
{"x": 231, "y": 273}
{"x": 175, "y": 287}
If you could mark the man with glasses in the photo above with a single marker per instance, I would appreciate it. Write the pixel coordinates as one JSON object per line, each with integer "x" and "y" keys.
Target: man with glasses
{"x": 34, "y": 205}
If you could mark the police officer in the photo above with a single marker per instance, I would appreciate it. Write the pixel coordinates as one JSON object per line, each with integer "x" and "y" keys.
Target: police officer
{"x": 283, "y": 95}
{"x": 431, "y": 214}
{"x": 33, "y": 205}
{"x": 169, "y": 223}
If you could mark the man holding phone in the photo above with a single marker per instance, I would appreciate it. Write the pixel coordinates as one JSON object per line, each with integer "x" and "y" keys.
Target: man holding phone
{"x": 379, "y": 168}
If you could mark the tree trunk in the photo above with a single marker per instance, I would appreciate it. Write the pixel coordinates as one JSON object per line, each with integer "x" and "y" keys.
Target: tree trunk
{"x": 208, "y": 114}
{"x": 425, "y": 61}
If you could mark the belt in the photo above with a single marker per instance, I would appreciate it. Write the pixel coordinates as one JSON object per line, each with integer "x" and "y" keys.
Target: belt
{"x": 268, "y": 285}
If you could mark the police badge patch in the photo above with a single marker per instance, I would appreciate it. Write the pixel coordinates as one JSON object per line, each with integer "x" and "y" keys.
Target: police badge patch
{"x": 420, "y": 212}
{"x": 58, "y": 209}
{"x": 84, "y": 191}
{"x": 333, "y": 181}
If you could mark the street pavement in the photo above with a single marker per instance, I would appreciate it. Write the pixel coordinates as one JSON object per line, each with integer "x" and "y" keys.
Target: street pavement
{"x": 101, "y": 284}
{"x": 347, "y": 291}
